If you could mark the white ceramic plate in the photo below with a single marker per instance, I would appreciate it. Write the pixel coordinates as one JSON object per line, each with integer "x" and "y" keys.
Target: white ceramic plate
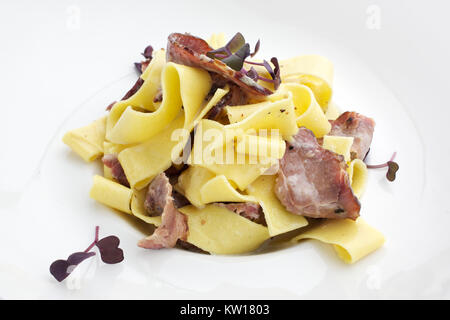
{"x": 53, "y": 215}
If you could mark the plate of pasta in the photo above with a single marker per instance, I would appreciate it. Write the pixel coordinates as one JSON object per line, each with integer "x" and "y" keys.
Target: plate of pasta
{"x": 222, "y": 152}
{"x": 219, "y": 161}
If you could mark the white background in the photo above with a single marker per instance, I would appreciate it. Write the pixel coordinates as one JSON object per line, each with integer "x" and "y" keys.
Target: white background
{"x": 56, "y": 54}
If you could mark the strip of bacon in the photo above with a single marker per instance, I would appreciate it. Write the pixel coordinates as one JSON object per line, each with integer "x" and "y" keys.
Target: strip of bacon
{"x": 352, "y": 124}
{"x": 191, "y": 51}
{"x": 174, "y": 223}
{"x": 313, "y": 182}
{"x": 111, "y": 161}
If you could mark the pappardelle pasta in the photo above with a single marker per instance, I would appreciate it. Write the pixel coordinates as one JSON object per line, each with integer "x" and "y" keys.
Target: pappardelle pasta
{"x": 224, "y": 152}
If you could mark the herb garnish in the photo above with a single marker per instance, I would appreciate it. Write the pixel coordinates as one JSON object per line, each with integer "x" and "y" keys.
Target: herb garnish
{"x": 110, "y": 253}
{"x": 392, "y": 167}
{"x": 234, "y": 53}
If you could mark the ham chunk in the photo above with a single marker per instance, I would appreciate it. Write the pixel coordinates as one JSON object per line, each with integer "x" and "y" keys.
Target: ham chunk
{"x": 352, "y": 124}
{"x": 313, "y": 182}
{"x": 174, "y": 226}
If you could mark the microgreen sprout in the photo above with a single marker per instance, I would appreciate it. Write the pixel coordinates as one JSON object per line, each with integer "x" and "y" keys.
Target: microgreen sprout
{"x": 235, "y": 53}
{"x": 110, "y": 253}
{"x": 391, "y": 165}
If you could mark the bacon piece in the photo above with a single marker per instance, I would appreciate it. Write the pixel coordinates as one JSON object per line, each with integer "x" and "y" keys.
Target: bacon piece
{"x": 191, "y": 51}
{"x": 249, "y": 210}
{"x": 313, "y": 182}
{"x": 352, "y": 124}
{"x": 174, "y": 223}
{"x": 111, "y": 161}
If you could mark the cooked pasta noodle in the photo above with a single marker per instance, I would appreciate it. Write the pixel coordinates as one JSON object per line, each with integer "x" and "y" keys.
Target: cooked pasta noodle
{"x": 352, "y": 240}
{"x": 217, "y": 230}
{"x": 357, "y": 172}
{"x": 338, "y": 144}
{"x": 278, "y": 219}
{"x": 111, "y": 193}
{"x": 87, "y": 141}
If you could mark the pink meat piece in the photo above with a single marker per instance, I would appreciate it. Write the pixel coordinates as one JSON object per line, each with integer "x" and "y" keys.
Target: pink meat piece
{"x": 112, "y": 162}
{"x": 313, "y": 181}
{"x": 352, "y": 124}
{"x": 249, "y": 210}
{"x": 174, "y": 224}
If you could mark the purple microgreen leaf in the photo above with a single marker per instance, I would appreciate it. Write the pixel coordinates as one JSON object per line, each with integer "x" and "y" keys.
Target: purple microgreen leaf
{"x": 255, "y": 51}
{"x": 148, "y": 52}
{"x": 236, "y": 43}
{"x": 109, "y": 250}
{"x": 236, "y": 60}
{"x": 243, "y": 52}
{"x": 218, "y": 53}
{"x": 252, "y": 74}
{"x": 138, "y": 66}
{"x": 269, "y": 68}
{"x": 276, "y": 73}
{"x": 231, "y": 54}
{"x": 58, "y": 269}
{"x": 61, "y": 269}
{"x": 393, "y": 168}
{"x": 76, "y": 258}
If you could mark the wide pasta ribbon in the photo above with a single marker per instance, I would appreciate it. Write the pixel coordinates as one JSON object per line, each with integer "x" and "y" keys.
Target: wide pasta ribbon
{"x": 239, "y": 164}
{"x": 182, "y": 87}
{"x": 352, "y": 240}
{"x": 307, "y": 111}
{"x": 111, "y": 193}
{"x": 138, "y": 208}
{"x": 87, "y": 141}
{"x": 216, "y": 153}
{"x": 141, "y": 163}
{"x": 201, "y": 186}
{"x": 309, "y": 114}
{"x": 220, "y": 231}
{"x": 356, "y": 169}
{"x": 313, "y": 71}
{"x": 278, "y": 219}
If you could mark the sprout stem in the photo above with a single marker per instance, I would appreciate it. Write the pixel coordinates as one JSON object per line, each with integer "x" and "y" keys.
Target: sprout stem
{"x": 97, "y": 228}
{"x": 383, "y": 165}
{"x": 254, "y": 63}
